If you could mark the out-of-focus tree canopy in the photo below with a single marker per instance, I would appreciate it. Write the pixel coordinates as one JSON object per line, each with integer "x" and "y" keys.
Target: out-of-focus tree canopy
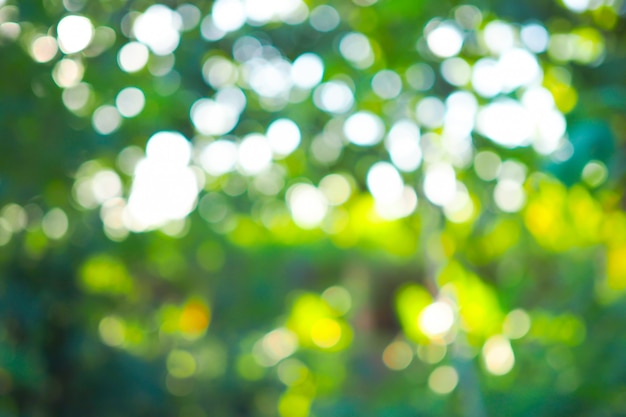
{"x": 295, "y": 208}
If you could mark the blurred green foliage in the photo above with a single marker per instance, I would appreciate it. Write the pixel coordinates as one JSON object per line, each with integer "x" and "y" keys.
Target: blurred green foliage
{"x": 288, "y": 208}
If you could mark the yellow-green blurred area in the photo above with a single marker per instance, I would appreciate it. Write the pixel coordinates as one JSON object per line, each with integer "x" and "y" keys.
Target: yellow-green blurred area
{"x": 299, "y": 208}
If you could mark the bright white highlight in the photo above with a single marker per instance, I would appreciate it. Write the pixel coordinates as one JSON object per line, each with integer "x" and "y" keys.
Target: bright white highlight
{"x": 461, "y": 108}
{"x": 498, "y": 355}
{"x": 283, "y": 136}
{"x": 577, "y": 6}
{"x": 307, "y": 71}
{"x": 403, "y": 145}
{"x": 486, "y": 78}
{"x": 133, "y": 57}
{"x": 499, "y": 36}
{"x": 384, "y": 182}
{"x": 219, "y": 157}
{"x": 509, "y": 195}
{"x": 440, "y": 184}
{"x": 333, "y": 97}
{"x": 307, "y": 204}
{"x": 445, "y": 41}
{"x": 211, "y": 117}
{"x": 505, "y": 122}
{"x": 168, "y": 148}
{"x": 164, "y": 187}
{"x": 228, "y": 15}
{"x": 436, "y": 319}
{"x": 393, "y": 199}
{"x": 158, "y": 28}
{"x": 518, "y": 68}
{"x": 255, "y": 154}
{"x": 364, "y": 129}
{"x": 74, "y": 33}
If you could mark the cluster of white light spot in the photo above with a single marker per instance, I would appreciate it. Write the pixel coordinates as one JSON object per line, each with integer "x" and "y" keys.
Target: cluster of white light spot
{"x": 164, "y": 187}
{"x": 220, "y": 114}
{"x": 265, "y": 71}
{"x": 442, "y": 189}
{"x": 515, "y": 68}
{"x": 402, "y": 143}
{"x": 334, "y": 97}
{"x": 364, "y": 128}
{"x": 158, "y": 28}
{"x": 393, "y": 199}
{"x": 231, "y": 15}
{"x": 253, "y": 155}
{"x": 460, "y": 115}
{"x": 15, "y": 218}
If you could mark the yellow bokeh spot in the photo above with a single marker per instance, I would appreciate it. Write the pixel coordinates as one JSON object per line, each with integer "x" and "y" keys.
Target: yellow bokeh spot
{"x": 410, "y": 302}
{"x": 565, "y": 96}
{"x": 616, "y": 268}
{"x": 478, "y": 304}
{"x": 316, "y": 325}
{"x": 294, "y": 405}
{"x": 560, "y": 219}
{"x": 105, "y": 274}
{"x": 326, "y": 333}
{"x": 195, "y": 318}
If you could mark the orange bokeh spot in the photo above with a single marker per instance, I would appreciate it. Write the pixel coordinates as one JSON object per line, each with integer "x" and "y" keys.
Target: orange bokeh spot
{"x": 194, "y": 318}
